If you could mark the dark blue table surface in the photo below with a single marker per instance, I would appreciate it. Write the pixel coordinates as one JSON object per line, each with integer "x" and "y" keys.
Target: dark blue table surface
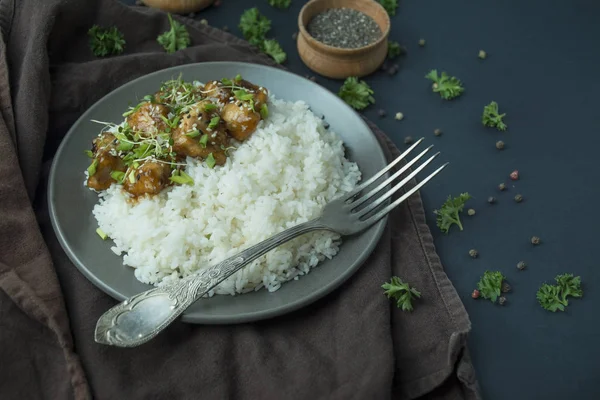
{"x": 543, "y": 69}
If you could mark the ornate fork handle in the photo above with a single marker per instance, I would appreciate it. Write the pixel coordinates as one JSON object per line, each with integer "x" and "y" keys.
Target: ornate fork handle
{"x": 143, "y": 316}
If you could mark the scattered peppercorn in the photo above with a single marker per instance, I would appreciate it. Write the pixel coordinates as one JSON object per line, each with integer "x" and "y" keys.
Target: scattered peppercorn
{"x": 393, "y": 69}
{"x": 502, "y": 187}
{"x": 501, "y": 300}
{"x": 421, "y": 42}
{"x": 408, "y": 140}
{"x": 535, "y": 240}
{"x": 437, "y": 132}
{"x": 518, "y": 198}
{"x": 475, "y": 294}
{"x": 499, "y": 144}
{"x": 312, "y": 78}
{"x": 326, "y": 125}
{"x": 381, "y": 113}
{"x": 295, "y": 35}
{"x": 471, "y": 212}
{"x": 482, "y": 54}
{"x": 384, "y": 67}
{"x": 204, "y": 21}
{"x": 473, "y": 253}
{"x": 491, "y": 199}
{"x": 514, "y": 175}
{"x": 399, "y": 116}
{"x": 505, "y": 287}
{"x": 521, "y": 265}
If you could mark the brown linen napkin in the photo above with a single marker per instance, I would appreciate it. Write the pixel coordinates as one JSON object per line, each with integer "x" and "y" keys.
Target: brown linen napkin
{"x": 353, "y": 344}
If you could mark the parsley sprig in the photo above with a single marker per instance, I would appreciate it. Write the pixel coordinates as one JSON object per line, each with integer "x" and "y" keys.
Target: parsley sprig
{"x": 490, "y": 285}
{"x": 254, "y": 27}
{"x": 390, "y": 6}
{"x": 554, "y": 297}
{"x": 281, "y": 4}
{"x": 447, "y": 86}
{"x": 358, "y": 94}
{"x": 448, "y": 214}
{"x": 492, "y": 118}
{"x": 176, "y": 38}
{"x": 106, "y": 41}
{"x": 402, "y": 292}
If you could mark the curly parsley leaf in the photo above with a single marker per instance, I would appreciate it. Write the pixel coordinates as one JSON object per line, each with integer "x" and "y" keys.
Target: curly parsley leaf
{"x": 555, "y": 297}
{"x": 448, "y": 214}
{"x": 490, "y": 285}
{"x": 358, "y": 94}
{"x": 254, "y": 26}
{"x": 448, "y": 87}
{"x": 402, "y": 292}
{"x": 272, "y": 48}
{"x": 104, "y": 42}
{"x": 176, "y": 38}
{"x": 395, "y": 50}
{"x": 281, "y": 4}
{"x": 492, "y": 118}
{"x": 390, "y": 6}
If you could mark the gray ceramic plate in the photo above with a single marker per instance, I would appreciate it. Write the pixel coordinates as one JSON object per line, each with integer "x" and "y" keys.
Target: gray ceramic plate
{"x": 71, "y": 203}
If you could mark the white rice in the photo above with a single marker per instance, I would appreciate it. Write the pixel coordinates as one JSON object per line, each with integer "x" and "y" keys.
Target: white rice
{"x": 282, "y": 176}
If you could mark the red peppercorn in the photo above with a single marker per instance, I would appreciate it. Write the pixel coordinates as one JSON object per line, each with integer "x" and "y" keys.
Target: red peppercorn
{"x": 514, "y": 175}
{"x": 475, "y": 294}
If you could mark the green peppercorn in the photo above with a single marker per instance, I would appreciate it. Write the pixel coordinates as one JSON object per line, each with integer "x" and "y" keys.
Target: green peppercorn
{"x": 501, "y": 300}
{"x": 437, "y": 132}
{"x": 518, "y": 198}
{"x": 408, "y": 140}
{"x": 482, "y": 54}
{"x": 473, "y": 253}
{"x": 521, "y": 265}
{"x": 535, "y": 240}
{"x": 502, "y": 187}
{"x": 471, "y": 211}
{"x": 399, "y": 116}
{"x": 491, "y": 199}
{"x": 421, "y": 42}
{"x": 204, "y": 21}
{"x": 499, "y": 144}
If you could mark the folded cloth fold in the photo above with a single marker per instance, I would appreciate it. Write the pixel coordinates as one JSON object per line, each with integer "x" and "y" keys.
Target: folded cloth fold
{"x": 352, "y": 344}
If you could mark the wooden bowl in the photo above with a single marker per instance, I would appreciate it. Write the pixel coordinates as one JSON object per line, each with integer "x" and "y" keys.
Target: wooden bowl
{"x": 340, "y": 63}
{"x": 179, "y": 6}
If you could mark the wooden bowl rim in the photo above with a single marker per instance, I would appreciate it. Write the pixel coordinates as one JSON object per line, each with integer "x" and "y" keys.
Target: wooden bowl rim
{"x": 340, "y": 50}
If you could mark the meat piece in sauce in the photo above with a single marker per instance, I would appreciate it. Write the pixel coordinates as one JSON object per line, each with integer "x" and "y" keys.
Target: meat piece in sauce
{"x": 104, "y": 151}
{"x": 190, "y": 144}
{"x": 147, "y": 119}
{"x": 216, "y": 90}
{"x": 261, "y": 95}
{"x": 150, "y": 178}
{"x": 240, "y": 120}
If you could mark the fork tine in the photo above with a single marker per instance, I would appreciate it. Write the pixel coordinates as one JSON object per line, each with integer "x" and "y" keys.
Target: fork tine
{"x": 373, "y": 192}
{"x": 371, "y": 220}
{"x": 372, "y": 206}
{"x": 378, "y": 175}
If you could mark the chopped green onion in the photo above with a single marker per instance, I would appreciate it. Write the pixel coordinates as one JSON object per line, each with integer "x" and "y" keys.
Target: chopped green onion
{"x": 89, "y": 153}
{"x": 238, "y": 78}
{"x": 132, "y": 177}
{"x": 167, "y": 130}
{"x": 210, "y": 107}
{"x": 175, "y": 122}
{"x": 92, "y": 168}
{"x": 264, "y": 111}
{"x": 210, "y": 161}
{"x": 204, "y": 140}
{"x": 243, "y": 95}
{"x": 118, "y": 176}
{"x": 136, "y": 165}
{"x": 171, "y": 141}
{"x": 165, "y": 119}
{"x": 148, "y": 97}
{"x": 226, "y": 82}
{"x": 101, "y": 233}
{"x": 214, "y": 121}
{"x": 125, "y": 146}
{"x": 251, "y": 102}
{"x": 194, "y": 133}
{"x": 182, "y": 179}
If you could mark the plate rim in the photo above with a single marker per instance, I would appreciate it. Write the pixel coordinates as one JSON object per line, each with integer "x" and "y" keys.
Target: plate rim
{"x": 195, "y": 317}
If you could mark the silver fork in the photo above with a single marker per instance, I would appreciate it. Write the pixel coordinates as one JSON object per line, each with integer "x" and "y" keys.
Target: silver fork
{"x": 143, "y": 316}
